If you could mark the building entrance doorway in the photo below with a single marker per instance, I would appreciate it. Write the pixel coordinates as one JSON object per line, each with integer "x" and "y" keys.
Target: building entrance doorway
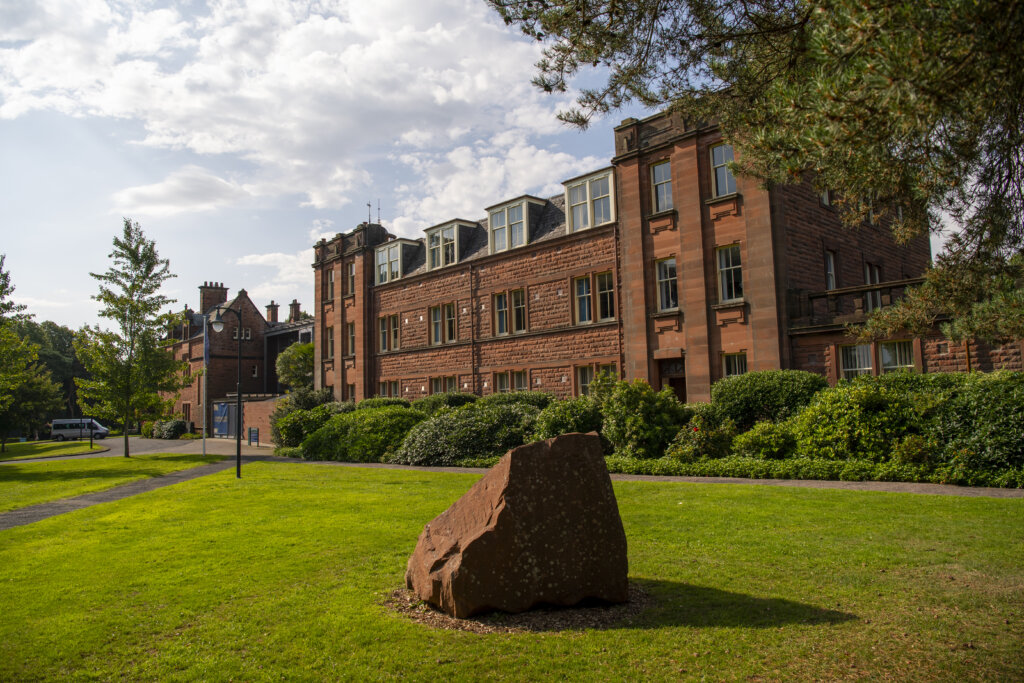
{"x": 673, "y": 377}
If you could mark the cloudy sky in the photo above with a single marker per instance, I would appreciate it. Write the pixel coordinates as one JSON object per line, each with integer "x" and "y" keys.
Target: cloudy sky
{"x": 237, "y": 133}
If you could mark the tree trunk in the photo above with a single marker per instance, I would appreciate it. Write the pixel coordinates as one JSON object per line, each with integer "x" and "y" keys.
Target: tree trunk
{"x": 126, "y": 414}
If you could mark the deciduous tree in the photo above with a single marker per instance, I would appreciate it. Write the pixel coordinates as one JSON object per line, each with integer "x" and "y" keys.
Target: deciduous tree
{"x": 129, "y": 365}
{"x": 295, "y": 366}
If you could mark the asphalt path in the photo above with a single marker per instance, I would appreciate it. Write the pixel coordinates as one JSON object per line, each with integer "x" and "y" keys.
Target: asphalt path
{"x": 139, "y": 446}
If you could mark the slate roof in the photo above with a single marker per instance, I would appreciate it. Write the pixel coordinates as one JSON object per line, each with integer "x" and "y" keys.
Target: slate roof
{"x": 552, "y": 224}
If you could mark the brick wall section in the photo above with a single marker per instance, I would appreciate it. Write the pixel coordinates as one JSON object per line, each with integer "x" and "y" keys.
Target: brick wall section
{"x": 549, "y": 350}
{"x": 256, "y": 413}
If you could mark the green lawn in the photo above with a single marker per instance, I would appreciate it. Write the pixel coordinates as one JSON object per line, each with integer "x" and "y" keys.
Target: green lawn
{"x": 17, "y": 450}
{"x": 39, "y": 482}
{"x": 280, "y": 575}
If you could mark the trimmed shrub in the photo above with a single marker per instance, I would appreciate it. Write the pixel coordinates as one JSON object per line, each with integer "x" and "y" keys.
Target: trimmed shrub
{"x": 435, "y": 402}
{"x": 147, "y": 430}
{"x": 766, "y": 441}
{"x": 981, "y": 425}
{"x": 169, "y": 429}
{"x": 538, "y": 399}
{"x": 300, "y": 399}
{"x": 856, "y": 421}
{"x": 562, "y": 417}
{"x": 640, "y": 422}
{"x": 767, "y": 395}
{"x": 294, "y": 427}
{"x": 288, "y": 451}
{"x": 361, "y": 436}
{"x": 706, "y": 435}
{"x": 475, "y": 431}
{"x": 382, "y": 401}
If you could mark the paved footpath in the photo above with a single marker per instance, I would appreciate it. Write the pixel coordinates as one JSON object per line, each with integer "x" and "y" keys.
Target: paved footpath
{"x": 35, "y": 513}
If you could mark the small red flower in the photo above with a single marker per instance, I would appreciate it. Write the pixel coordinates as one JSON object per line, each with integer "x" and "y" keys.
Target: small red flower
{"x": 695, "y": 429}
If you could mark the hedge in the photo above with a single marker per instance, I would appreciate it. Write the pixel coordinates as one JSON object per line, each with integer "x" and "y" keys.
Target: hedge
{"x": 767, "y": 395}
{"x": 474, "y": 431}
{"x": 368, "y": 435}
{"x": 572, "y": 415}
{"x": 640, "y": 422}
{"x": 295, "y": 426}
{"x": 435, "y": 402}
{"x": 813, "y": 468}
{"x": 382, "y": 401}
{"x": 538, "y": 399}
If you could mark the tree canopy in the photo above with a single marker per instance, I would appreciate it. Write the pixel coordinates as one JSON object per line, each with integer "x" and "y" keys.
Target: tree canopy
{"x": 16, "y": 354}
{"x": 911, "y": 110}
{"x": 129, "y": 365}
{"x": 295, "y": 366}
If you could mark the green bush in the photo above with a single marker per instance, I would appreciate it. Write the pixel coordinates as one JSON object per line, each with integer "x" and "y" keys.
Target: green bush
{"x": 853, "y": 421}
{"x": 146, "y": 431}
{"x": 300, "y": 399}
{"x": 361, "y": 436}
{"x": 538, "y": 399}
{"x": 707, "y": 435}
{"x": 191, "y": 436}
{"x": 294, "y": 427}
{"x": 562, "y": 417}
{"x": 473, "y": 432}
{"x": 768, "y": 395}
{"x": 169, "y": 429}
{"x": 766, "y": 440}
{"x": 982, "y": 422}
{"x": 382, "y": 401}
{"x": 288, "y": 451}
{"x": 640, "y": 422}
{"x": 435, "y": 402}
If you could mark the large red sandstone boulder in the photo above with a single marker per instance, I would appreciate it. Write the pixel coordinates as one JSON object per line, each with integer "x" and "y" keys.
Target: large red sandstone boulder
{"x": 541, "y": 527}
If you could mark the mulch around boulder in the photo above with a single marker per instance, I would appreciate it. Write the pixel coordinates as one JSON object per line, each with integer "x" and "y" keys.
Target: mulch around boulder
{"x": 542, "y": 619}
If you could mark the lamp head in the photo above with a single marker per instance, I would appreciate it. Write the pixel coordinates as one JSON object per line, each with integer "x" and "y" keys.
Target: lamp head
{"x": 218, "y": 322}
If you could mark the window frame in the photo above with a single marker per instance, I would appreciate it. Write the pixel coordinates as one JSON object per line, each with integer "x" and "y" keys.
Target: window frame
{"x": 329, "y": 284}
{"x": 657, "y": 184}
{"x": 603, "y": 295}
{"x": 514, "y": 326}
{"x": 582, "y": 300}
{"x": 730, "y": 179}
{"x": 863, "y": 352}
{"x": 328, "y": 352}
{"x": 438, "y": 331}
{"x": 727, "y": 270}
{"x": 499, "y": 319}
{"x": 583, "y": 387}
{"x": 872, "y": 300}
{"x": 507, "y": 226}
{"x": 739, "y": 362}
{"x": 831, "y": 274}
{"x": 506, "y": 382}
{"x": 392, "y": 265}
{"x": 898, "y": 344}
{"x": 350, "y": 334}
{"x": 443, "y": 258}
{"x": 588, "y": 200}
{"x": 520, "y": 380}
{"x": 351, "y": 277}
{"x": 660, "y": 284}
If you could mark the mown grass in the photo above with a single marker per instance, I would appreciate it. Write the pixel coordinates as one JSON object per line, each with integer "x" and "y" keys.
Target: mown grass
{"x": 281, "y": 575}
{"x": 40, "y": 482}
{"x": 20, "y": 450}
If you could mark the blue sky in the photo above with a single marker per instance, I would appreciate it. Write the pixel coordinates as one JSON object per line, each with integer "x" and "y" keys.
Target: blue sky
{"x": 238, "y": 133}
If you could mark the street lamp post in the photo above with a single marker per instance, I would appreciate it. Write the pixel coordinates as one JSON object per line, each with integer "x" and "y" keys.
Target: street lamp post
{"x": 218, "y": 326}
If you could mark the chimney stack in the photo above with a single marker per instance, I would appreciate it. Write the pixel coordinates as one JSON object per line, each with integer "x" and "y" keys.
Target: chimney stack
{"x": 294, "y": 310}
{"x": 211, "y": 294}
{"x": 272, "y": 312}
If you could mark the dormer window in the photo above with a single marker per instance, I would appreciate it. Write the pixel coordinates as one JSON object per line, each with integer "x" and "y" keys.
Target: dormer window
{"x": 389, "y": 262}
{"x": 508, "y": 228}
{"x": 589, "y": 201}
{"x": 442, "y": 246}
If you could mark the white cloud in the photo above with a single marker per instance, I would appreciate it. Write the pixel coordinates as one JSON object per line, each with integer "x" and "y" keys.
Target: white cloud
{"x": 289, "y": 272}
{"x": 311, "y": 96}
{"x": 189, "y": 189}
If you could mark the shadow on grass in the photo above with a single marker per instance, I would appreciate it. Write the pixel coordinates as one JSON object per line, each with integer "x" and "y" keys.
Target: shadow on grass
{"x": 683, "y": 604}
{"x": 37, "y": 473}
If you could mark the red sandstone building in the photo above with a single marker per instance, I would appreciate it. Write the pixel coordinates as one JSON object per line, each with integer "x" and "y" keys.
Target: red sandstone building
{"x": 262, "y": 340}
{"x": 662, "y": 266}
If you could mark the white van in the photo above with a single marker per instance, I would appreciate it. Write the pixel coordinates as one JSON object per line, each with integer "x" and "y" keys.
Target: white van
{"x": 77, "y": 428}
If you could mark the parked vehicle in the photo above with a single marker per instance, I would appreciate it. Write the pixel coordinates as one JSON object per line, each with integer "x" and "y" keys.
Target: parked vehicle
{"x": 77, "y": 428}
